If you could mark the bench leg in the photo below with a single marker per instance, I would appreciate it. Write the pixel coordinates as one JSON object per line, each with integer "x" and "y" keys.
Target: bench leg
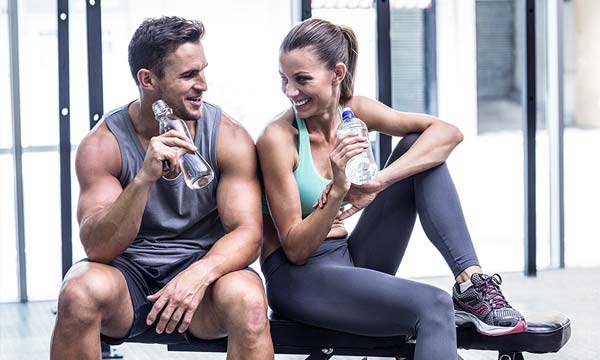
{"x": 511, "y": 356}
{"x": 108, "y": 352}
{"x": 322, "y": 354}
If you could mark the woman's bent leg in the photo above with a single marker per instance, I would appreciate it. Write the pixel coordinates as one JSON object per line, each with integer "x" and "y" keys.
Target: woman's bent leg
{"x": 382, "y": 233}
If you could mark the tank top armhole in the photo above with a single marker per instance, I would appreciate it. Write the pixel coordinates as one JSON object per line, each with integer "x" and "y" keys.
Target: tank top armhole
{"x": 214, "y": 138}
{"x": 303, "y": 146}
{"x": 123, "y": 176}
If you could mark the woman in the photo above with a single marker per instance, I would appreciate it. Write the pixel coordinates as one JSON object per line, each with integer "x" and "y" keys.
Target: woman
{"x": 316, "y": 272}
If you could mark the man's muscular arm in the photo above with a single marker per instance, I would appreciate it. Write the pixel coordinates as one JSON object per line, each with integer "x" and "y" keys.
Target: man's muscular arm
{"x": 239, "y": 202}
{"x": 110, "y": 216}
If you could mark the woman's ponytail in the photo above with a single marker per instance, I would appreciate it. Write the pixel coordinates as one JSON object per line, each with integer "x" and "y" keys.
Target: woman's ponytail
{"x": 347, "y": 88}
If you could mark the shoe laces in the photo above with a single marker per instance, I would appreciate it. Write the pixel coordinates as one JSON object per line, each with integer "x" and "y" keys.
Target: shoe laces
{"x": 490, "y": 288}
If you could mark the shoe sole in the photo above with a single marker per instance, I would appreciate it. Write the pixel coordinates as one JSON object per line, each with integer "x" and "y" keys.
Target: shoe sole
{"x": 463, "y": 317}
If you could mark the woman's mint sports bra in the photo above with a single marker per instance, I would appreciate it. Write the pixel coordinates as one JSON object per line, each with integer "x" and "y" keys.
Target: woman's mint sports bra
{"x": 310, "y": 182}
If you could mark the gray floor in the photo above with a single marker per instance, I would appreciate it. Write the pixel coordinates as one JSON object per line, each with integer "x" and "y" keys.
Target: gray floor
{"x": 25, "y": 328}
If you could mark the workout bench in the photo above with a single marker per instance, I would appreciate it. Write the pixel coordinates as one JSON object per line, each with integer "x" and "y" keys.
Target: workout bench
{"x": 546, "y": 335}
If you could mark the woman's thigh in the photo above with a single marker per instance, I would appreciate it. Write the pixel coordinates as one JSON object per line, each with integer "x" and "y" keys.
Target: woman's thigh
{"x": 381, "y": 235}
{"x": 351, "y": 299}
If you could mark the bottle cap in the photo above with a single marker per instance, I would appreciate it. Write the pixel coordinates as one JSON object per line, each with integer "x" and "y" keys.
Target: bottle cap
{"x": 347, "y": 114}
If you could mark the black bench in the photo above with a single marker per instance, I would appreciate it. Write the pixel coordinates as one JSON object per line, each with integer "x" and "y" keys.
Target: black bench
{"x": 545, "y": 335}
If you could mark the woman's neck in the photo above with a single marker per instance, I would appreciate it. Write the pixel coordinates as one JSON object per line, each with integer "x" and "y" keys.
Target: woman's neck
{"x": 325, "y": 123}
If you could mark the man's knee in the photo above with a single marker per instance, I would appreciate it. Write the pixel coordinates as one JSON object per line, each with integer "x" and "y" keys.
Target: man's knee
{"x": 254, "y": 313}
{"x": 243, "y": 300}
{"x": 76, "y": 303}
{"x": 83, "y": 294}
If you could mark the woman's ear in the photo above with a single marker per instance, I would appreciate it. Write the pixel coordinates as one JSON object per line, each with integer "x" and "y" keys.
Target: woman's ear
{"x": 339, "y": 71}
{"x": 146, "y": 79}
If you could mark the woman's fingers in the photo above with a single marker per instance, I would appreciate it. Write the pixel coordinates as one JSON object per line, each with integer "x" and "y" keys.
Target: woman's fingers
{"x": 322, "y": 200}
{"x": 345, "y": 136}
{"x": 326, "y": 193}
{"x": 347, "y": 213}
{"x": 350, "y": 151}
{"x": 347, "y": 146}
{"x": 346, "y": 140}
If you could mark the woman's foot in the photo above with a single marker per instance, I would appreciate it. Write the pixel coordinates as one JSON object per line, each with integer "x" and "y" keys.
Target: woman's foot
{"x": 482, "y": 304}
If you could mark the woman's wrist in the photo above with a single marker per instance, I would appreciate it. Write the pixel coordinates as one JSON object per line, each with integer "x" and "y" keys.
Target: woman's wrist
{"x": 383, "y": 180}
{"x": 337, "y": 193}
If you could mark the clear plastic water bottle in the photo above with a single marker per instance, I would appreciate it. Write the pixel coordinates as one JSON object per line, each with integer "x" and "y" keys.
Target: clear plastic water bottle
{"x": 197, "y": 173}
{"x": 361, "y": 169}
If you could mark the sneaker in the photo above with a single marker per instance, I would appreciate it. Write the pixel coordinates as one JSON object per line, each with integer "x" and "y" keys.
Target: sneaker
{"x": 483, "y": 305}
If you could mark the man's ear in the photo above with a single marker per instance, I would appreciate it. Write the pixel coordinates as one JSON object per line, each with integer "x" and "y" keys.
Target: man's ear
{"x": 339, "y": 72}
{"x": 146, "y": 79}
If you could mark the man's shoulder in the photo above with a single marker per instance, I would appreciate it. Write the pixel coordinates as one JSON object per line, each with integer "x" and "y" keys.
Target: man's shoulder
{"x": 100, "y": 146}
{"x": 231, "y": 130}
{"x": 99, "y": 135}
{"x": 235, "y": 147}
{"x": 103, "y": 130}
{"x": 117, "y": 114}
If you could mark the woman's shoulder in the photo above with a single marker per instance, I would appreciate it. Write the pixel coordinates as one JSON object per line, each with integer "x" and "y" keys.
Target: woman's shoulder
{"x": 277, "y": 143}
{"x": 369, "y": 110}
{"x": 279, "y": 130}
{"x": 359, "y": 104}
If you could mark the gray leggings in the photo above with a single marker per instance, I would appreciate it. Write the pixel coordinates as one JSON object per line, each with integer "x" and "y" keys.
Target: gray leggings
{"x": 349, "y": 284}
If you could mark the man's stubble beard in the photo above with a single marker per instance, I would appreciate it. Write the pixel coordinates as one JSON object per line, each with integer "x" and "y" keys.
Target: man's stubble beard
{"x": 179, "y": 109}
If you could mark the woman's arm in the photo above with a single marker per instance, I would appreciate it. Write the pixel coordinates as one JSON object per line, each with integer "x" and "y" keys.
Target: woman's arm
{"x": 300, "y": 238}
{"x": 434, "y": 145}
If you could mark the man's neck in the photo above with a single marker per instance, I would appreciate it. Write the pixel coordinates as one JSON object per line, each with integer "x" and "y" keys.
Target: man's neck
{"x": 144, "y": 123}
{"x": 143, "y": 120}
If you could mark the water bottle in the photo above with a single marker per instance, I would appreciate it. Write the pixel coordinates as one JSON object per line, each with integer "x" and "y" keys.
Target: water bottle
{"x": 361, "y": 169}
{"x": 197, "y": 173}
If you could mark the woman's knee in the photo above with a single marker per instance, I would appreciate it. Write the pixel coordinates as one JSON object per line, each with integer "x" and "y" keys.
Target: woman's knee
{"x": 436, "y": 308}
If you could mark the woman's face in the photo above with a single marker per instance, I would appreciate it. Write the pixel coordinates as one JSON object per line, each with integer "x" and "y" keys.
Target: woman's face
{"x": 308, "y": 83}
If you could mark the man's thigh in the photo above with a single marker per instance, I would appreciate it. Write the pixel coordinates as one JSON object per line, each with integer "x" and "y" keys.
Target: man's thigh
{"x": 105, "y": 289}
{"x": 227, "y": 295}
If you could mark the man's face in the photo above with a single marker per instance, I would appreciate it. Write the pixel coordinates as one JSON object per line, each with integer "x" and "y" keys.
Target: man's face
{"x": 183, "y": 82}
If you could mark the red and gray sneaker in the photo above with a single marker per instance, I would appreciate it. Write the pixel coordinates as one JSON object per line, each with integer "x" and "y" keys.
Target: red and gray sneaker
{"x": 483, "y": 305}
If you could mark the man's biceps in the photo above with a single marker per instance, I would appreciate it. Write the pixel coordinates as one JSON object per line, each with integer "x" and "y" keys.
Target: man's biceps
{"x": 241, "y": 179}
{"x": 88, "y": 208}
{"x": 98, "y": 196}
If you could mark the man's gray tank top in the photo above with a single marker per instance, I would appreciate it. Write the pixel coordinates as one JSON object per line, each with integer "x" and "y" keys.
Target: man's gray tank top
{"x": 177, "y": 221}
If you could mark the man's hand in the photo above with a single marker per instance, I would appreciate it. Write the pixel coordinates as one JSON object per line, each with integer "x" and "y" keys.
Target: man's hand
{"x": 165, "y": 147}
{"x": 181, "y": 296}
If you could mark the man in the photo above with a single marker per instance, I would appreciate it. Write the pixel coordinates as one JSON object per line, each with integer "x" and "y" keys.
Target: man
{"x": 165, "y": 261}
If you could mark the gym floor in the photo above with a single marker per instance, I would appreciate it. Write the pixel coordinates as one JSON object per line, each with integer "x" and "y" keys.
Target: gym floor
{"x": 25, "y": 328}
